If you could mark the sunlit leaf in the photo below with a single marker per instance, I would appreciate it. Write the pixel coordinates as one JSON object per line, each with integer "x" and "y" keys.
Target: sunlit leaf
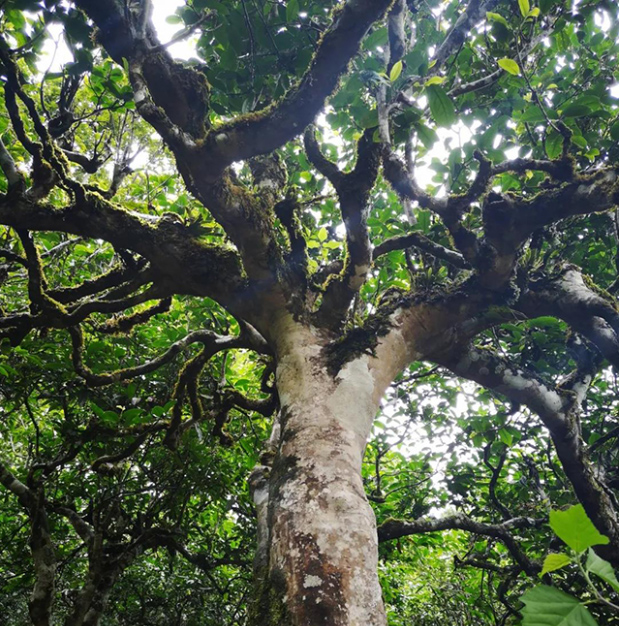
{"x": 496, "y": 17}
{"x": 603, "y": 569}
{"x": 395, "y": 72}
{"x": 525, "y": 7}
{"x": 509, "y": 65}
{"x": 441, "y": 105}
{"x": 575, "y": 529}
{"x": 554, "y": 562}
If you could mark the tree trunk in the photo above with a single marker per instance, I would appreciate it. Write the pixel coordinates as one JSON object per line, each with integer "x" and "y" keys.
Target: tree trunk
{"x": 93, "y": 598}
{"x": 317, "y": 557}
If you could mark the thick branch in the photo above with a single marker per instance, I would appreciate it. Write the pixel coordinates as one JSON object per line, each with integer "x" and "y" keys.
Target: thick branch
{"x": 43, "y": 592}
{"x": 558, "y": 409}
{"x": 15, "y": 486}
{"x": 116, "y": 277}
{"x": 394, "y": 529}
{"x": 353, "y": 190}
{"x": 13, "y": 177}
{"x": 273, "y": 127}
{"x": 246, "y": 137}
{"x": 569, "y": 297}
{"x": 509, "y": 220}
{"x": 187, "y": 264}
{"x": 81, "y": 527}
{"x": 42, "y": 597}
{"x": 474, "y": 12}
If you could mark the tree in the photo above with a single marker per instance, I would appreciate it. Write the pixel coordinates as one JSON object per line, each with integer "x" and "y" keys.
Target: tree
{"x": 300, "y": 275}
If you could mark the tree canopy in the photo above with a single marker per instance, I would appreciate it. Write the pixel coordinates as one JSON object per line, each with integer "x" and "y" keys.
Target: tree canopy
{"x": 300, "y": 257}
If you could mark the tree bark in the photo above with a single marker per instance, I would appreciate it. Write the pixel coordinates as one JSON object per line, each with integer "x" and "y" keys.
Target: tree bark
{"x": 318, "y": 560}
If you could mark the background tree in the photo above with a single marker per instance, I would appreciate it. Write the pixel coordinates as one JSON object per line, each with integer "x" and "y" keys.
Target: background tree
{"x": 216, "y": 272}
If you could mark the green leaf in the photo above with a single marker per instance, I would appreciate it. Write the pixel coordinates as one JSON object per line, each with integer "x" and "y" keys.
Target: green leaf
{"x": 533, "y": 13}
{"x": 554, "y": 144}
{"x": 525, "y": 7}
{"x": 395, "y": 72}
{"x": 533, "y": 115}
{"x": 546, "y": 321}
{"x": 576, "y": 110}
{"x": 554, "y": 562}
{"x": 292, "y": 10}
{"x": 495, "y": 17}
{"x": 546, "y": 5}
{"x": 579, "y": 141}
{"x": 109, "y": 418}
{"x": 435, "y": 80}
{"x": 509, "y": 65}
{"x": 603, "y": 569}
{"x": 614, "y": 131}
{"x": 506, "y": 437}
{"x": 575, "y": 529}
{"x": 131, "y": 416}
{"x": 427, "y": 135}
{"x": 441, "y": 105}
{"x": 369, "y": 119}
{"x": 547, "y": 606}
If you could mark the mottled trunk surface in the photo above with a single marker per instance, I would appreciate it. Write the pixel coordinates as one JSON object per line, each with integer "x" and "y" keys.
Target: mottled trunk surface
{"x": 318, "y": 553}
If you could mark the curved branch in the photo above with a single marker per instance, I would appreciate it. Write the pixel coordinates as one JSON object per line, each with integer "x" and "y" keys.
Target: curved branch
{"x": 474, "y": 12}
{"x": 588, "y": 311}
{"x": 248, "y": 136}
{"x": 267, "y": 130}
{"x": 558, "y": 408}
{"x": 117, "y": 276}
{"x": 185, "y": 263}
{"x": 394, "y": 529}
{"x": 353, "y": 190}
{"x": 417, "y": 240}
{"x": 215, "y": 342}
{"x": 16, "y": 487}
{"x": 14, "y": 178}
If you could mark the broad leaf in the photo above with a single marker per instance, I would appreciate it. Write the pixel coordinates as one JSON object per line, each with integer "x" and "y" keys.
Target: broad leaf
{"x": 292, "y": 10}
{"x": 603, "y": 569}
{"x": 495, "y": 17}
{"x": 525, "y": 7}
{"x": 576, "y": 110}
{"x": 509, "y": 65}
{"x": 554, "y": 562}
{"x": 441, "y": 105}
{"x": 395, "y": 72}
{"x": 575, "y": 529}
{"x": 554, "y": 144}
{"x": 547, "y": 606}
{"x": 435, "y": 80}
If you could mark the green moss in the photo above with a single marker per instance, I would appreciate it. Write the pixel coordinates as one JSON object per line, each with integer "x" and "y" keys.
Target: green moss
{"x": 268, "y": 606}
{"x": 358, "y": 341}
{"x": 606, "y": 295}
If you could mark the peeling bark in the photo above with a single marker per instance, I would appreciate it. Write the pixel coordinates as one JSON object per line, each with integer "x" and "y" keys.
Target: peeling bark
{"x": 322, "y": 543}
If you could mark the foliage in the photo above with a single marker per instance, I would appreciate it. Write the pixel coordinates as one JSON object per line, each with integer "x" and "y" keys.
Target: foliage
{"x": 547, "y": 605}
{"x": 147, "y": 243}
